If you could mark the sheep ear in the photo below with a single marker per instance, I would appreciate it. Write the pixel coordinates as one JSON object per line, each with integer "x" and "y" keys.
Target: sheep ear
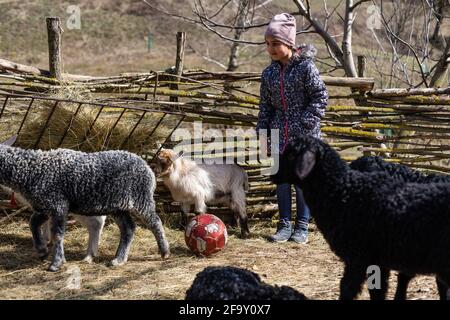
{"x": 10, "y": 141}
{"x": 307, "y": 164}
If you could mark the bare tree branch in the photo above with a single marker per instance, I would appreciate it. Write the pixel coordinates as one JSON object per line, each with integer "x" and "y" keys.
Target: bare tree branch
{"x": 204, "y": 17}
{"x": 263, "y": 4}
{"x": 207, "y": 57}
{"x": 354, "y": 6}
{"x": 334, "y": 47}
{"x": 171, "y": 14}
{"x": 391, "y": 33}
{"x": 221, "y": 8}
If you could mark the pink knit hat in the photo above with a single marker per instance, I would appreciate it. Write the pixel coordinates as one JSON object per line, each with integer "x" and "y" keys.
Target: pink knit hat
{"x": 282, "y": 27}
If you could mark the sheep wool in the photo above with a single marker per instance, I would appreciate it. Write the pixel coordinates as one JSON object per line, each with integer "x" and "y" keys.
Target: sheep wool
{"x": 55, "y": 182}
{"x": 371, "y": 218}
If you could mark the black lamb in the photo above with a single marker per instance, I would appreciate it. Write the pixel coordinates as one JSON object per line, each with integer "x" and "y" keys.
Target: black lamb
{"x": 371, "y": 218}
{"x": 404, "y": 173}
{"x": 231, "y": 283}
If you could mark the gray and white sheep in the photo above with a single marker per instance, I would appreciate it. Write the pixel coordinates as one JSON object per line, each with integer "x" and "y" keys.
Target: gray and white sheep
{"x": 370, "y": 218}
{"x": 54, "y": 182}
{"x": 94, "y": 224}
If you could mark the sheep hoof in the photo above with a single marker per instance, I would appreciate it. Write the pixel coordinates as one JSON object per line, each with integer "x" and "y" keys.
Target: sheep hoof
{"x": 116, "y": 263}
{"x": 53, "y": 268}
{"x": 166, "y": 255}
{"x": 43, "y": 253}
{"x": 88, "y": 259}
{"x": 245, "y": 235}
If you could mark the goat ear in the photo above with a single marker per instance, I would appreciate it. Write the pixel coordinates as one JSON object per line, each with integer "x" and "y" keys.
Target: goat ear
{"x": 10, "y": 141}
{"x": 306, "y": 165}
{"x": 177, "y": 156}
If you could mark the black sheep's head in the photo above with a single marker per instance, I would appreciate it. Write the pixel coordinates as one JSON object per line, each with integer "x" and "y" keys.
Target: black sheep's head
{"x": 297, "y": 161}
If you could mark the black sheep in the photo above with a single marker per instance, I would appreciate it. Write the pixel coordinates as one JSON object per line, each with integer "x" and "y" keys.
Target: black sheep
{"x": 404, "y": 173}
{"x": 370, "y": 218}
{"x": 231, "y": 283}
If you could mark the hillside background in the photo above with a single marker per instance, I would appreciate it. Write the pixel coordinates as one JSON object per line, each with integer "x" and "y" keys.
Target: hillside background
{"x": 113, "y": 37}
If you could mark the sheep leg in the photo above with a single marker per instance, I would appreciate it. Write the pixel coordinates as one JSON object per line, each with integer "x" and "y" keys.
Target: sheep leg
{"x": 154, "y": 224}
{"x": 95, "y": 229}
{"x": 36, "y": 221}
{"x": 94, "y": 224}
{"x": 380, "y": 294}
{"x": 351, "y": 282}
{"x": 444, "y": 292}
{"x": 403, "y": 280}
{"x": 47, "y": 233}
{"x": 127, "y": 228}
{"x": 443, "y": 284}
{"x": 58, "y": 230}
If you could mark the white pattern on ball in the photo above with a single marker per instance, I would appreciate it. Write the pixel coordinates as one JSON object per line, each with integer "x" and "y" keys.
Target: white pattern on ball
{"x": 212, "y": 227}
{"x": 201, "y": 244}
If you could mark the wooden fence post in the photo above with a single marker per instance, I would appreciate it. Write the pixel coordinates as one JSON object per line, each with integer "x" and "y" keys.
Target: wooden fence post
{"x": 54, "y": 46}
{"x": 361, "y": 66}
{"x": 361, "y": 73}
{"x": 181, "y": 42}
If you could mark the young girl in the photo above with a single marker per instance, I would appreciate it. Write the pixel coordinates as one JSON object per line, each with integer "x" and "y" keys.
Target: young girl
{"x": 293, "y": 100}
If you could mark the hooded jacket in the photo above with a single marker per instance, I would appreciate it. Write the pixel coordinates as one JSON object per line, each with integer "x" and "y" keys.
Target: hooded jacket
{"x": 293, "y": 98}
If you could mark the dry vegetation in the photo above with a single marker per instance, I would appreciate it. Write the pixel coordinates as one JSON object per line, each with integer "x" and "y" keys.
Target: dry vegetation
{"x": 312, "y": 269}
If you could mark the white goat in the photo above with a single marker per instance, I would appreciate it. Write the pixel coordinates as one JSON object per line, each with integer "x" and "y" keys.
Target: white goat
{"x": 199, "y": 185}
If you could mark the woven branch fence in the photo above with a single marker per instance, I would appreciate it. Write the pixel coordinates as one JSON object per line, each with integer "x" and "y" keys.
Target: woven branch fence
{"x": 135, "y": 112}
{"x": 141, "y": 112}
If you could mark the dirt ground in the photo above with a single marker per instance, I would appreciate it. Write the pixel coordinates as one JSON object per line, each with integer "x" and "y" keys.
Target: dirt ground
{"x": 312, "y": 269}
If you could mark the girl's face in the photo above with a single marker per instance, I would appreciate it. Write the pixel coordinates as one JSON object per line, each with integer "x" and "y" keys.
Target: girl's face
{"x": 277, "y": 50}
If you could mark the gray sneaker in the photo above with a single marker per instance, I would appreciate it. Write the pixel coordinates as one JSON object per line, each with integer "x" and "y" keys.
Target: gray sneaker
{"x": 284, "y": 232}
{"x": 299, "y": 236}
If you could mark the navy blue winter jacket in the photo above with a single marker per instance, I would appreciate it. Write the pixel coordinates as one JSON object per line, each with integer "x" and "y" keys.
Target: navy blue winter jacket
{"x": 293, "y": 97}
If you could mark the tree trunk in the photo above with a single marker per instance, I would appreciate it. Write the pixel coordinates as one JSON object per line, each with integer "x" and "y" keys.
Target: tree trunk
{"x": 439, "y": 14}
{"x": 349, "y": 64}
{"x": 234, "y": 52}
{"x": 439, "y": 78}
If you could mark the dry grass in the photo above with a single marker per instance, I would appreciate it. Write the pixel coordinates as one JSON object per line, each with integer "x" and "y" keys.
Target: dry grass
{"x": 106, "y": 134}
{"x": 312, "y": 269}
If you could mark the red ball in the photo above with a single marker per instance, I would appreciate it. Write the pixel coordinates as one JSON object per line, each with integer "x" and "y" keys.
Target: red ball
{"x": 205, "y": 234}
